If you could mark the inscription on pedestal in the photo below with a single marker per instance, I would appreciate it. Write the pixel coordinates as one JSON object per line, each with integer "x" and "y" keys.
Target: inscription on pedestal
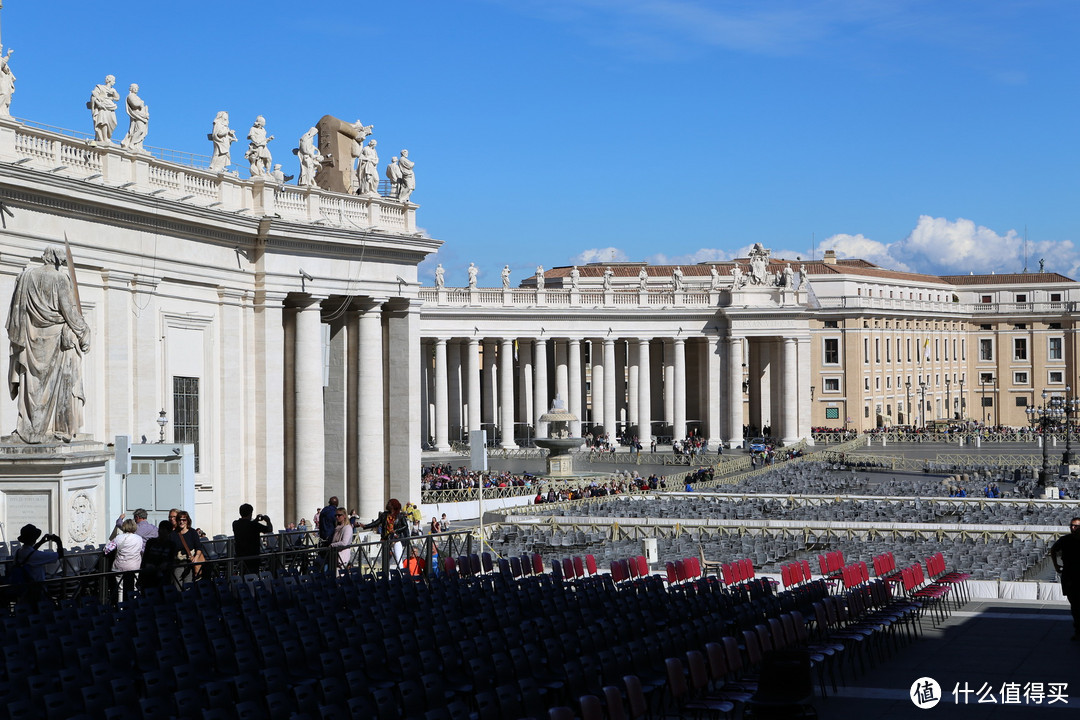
{"x": 27, "y": 507}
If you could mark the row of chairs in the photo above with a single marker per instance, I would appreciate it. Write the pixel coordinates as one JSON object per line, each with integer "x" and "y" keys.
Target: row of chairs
{"x": 629, "y": 569}
{"x": 681, "y": 571}
{"x": 795, "y": 573}
{"x": 736, "y": 572}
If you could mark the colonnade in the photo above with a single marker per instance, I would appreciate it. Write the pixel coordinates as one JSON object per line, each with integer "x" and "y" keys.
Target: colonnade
{"x": 637, "y": 386}
{"x": 351, "y": 391}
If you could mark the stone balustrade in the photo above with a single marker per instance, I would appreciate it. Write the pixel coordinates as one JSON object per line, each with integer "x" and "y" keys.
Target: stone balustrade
{"x": 142, "y": 173}
{"x": 565, "y": 297}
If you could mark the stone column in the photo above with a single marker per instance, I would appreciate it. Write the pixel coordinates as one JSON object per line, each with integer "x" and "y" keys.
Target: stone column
{"x": 610, "y": 370}
{"x": 633, "y": 376}
{"x": 525, "y": 412}
{"x": 562, "y": 385}
{"x": 713, "y": 401}
{"x": 490, "y": 392}
{"x": 805, "y": 403}
{"x": 735, "y": 394}
{"x": 668, "y": 386}
{"x": 678, "y": 372}
{"x": 644, "y": 393}
{"x": 789, "y": 393}
{"x": 598, "y": 384}
{"x": 453, "y": 389}
{"x": 442, "y": 398}
{"x": 308, "y": 418}
{"x": 573, "y": 404}
{"x": 371, "y": 441}
{"x": 506, "y": 394}
{"x": 541, "y": 401}
{"x": 473, "y": 383}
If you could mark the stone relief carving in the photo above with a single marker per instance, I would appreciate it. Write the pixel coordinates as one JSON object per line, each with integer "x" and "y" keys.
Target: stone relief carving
{"x": 139, "y": 115}
{"x": 102, "y": 106}
{"x": 222, "y": 138}
{"x": 341, "y": 144}
{"x": 258, "y": 153}
{"x": 48, "y": 337}
{"x": 7, "y": 82}
{"x": 81, "y": 525}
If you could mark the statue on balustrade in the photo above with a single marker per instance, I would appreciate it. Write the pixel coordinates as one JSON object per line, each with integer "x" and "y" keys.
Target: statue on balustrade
{"x": 310, "y": 158}
{"x": 643, "y": 278}
{"x": 787, "y": 278}
{"x": 222, "y": 137}
{"x": 575, "y": 278}
{"x": 608, "y": 274}
{"x": 738, "y": 279}
{"x": 714, "y": 278}
{"x": 102, "y": 107}
{"x": 440, "y": 276}
{"x": 48, "y": 337}
{"x": 759, "y": 265}
{"x": 802, "y": 277}
{"x": 506, "y": 277}
{"x": 258, "y": 152}
{"x": 367, "y": 170}
{"x": 407, "y": 182}
{"x": 7, "y": 83}
{"x": 279, "y": 176}
{"x": 539, "y": 277}
{"x": 473, "y": 270}
{"x": 139, "y": 114}
{"x": 677, "y": 278}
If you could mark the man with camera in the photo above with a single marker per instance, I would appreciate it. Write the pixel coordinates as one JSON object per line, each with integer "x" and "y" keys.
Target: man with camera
{"x": 246, "y": 538}
{"x": 28, "y": 571}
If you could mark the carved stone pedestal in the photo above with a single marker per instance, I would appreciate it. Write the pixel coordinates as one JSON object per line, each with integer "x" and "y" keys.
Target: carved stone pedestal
{"x": 58, "y": 487}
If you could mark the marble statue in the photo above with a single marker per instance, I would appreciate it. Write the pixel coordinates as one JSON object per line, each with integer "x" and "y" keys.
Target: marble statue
{"x": 367, "y": 170}
{"x": 258, "y": 152}
{"x": 506, "y": 277}
{"x": 48, "y": 339}
{"x": 1042, "y": 265}
{"x": 738, "y": 279}
{"x": 787, "y": 279}
{"x": 473, "y": 270}
{"x": 139, "y": 113}
{"x": 222, "y": 137}
{"x": 759, "y": 264}
{"x": 440, "y": 276}
{"x": 677, "y": 278}
{"x": 340, "y": 144}
{"x": 643, "y": 278}
{"x": 408, "y": 180}
{"x": 714, "y": 278}
{"x": 310, "y": 158}
{"x": 575, "y": 278}
{"x": 102, "y": 107}
{"x": 539, "y": 277}
{"x": 802, "y": 277}
{"x": 279, "y": 176}
{"x": 608, "y": 274}
{"x": 393, "y": 174}
{"x": 7, "y": 83}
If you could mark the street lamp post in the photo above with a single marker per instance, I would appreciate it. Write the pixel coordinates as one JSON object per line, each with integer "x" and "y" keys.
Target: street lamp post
{"x": 1045, "y": 417}
{"x": 162, "y": 421}
{"x": 922, "y": 402}
{"x": 948, "y": 400}
{"x": 907, "y": 415}
{"x": 963, "y": 400}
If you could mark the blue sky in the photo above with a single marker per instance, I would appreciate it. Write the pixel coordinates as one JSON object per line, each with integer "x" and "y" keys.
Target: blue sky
{"x": 919, "y": 135}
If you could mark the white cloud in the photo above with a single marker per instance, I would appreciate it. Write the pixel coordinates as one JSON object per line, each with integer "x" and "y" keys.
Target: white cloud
{"x": 939, "y": 246}
{"x": 608, "y": 254}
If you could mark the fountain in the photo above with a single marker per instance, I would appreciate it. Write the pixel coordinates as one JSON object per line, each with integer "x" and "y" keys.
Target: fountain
{"x": 559, "y": 444}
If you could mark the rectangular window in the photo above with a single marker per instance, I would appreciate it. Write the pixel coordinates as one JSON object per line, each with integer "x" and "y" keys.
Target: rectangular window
{"x": 831, "y": 324}
{"x": 866, "y": 411}
{"x": 832, "y": 351}
{"x": 937, "y": 350}
{"x": 1020, "y": 378}
{"x": 909, "y": 349}
{"x": 186, "y": 413}
{"x": 1021, "y": 401}
{"x": 986, "y": 378}
{"x": 1055, "y": 297}
{"x": 832, "y": 413}
{"x": 1054, "y": 352}
{"x": 963, "y": 348}
{"x": 877, "y": 350}
{"x": 1021, "y": 297}
{"x": 888, "y": 382}
{"x": 986, "y": 349}
{"x": 866, "y": 350}
{"x": 866, "y": 383}
{"x": 986, "y": 299}
{"x": 832, "y": 384}
{"x": 1019, "y": 348}
{"x": 1055, "y": 377}
{"x": 888, "y": 350}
